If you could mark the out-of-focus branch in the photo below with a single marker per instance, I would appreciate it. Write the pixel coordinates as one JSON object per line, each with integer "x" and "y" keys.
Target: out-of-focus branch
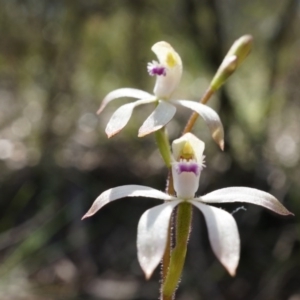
{"x": 278, "y": 38}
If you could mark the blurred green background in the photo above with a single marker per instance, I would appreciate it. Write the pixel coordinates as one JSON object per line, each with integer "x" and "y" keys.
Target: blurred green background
{"x": 58, "y": 59}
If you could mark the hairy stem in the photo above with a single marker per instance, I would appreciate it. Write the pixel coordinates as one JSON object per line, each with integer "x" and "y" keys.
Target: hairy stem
{"x": 167, "y": 255}
{"x": 173, "y": 260}
{"x": 184, "y": 216}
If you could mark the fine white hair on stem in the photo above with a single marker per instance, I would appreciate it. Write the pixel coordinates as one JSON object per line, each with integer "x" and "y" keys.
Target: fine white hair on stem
{"x": 238, "y": 209}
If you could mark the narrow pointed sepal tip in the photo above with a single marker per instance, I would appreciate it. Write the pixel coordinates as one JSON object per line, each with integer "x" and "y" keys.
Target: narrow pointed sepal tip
{"x": 148, "y": 275}
{"x": 218, "y": 138}
{"x": 232, "y": 273}
{"x": 221, "y": 145}
{"x": 99, "y": 111}
{"x": 142, "y": 134}
{"x": 281, "y": 210}
{"x": 85, "y": 216}
{"x": 232, "y": 268}
{"x": 289, "y": 213}
{"x": 111, "y": 134}
{"x": 90, "y": 213}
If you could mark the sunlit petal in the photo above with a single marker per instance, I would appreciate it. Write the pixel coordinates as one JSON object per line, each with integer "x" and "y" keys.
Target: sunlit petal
{"x": 210, "y": 117}
{"x": 125, "y": 191}
{"x": 152, "y": 235}
{"x": 168, "y": 81}
{"x": 248, "y": 195}
{"x": 124, "y": 92}
{"x": 160, "y": 117}
{"x": 223, "y": 235}
{"x": 122, "y": 115}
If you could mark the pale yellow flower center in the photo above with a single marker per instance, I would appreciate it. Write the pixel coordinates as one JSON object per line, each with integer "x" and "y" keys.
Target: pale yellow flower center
{"x": 171, "y": 60}
{"x": 187, "y": 152}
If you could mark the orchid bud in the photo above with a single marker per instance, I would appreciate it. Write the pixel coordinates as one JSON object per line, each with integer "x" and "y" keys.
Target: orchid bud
{"x": 241, "y": 48}
{"x": 234, "y": 57}
{"x": 227, "y": 67}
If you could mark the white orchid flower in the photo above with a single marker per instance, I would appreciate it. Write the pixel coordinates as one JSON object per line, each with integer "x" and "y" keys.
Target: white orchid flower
{"x": 153, "y": 225}
{"x": 168, "y": 74}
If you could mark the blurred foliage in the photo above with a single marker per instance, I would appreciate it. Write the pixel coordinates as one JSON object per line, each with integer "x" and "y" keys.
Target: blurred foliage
{"x": 57, "y": 61}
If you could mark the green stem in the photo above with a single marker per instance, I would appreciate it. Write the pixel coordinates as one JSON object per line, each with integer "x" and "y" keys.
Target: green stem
{"x": 184, "y": 216}
{"x": 167, "y": 255}
{"x": 192, "y": 120}
{"x": 162, "y": 141}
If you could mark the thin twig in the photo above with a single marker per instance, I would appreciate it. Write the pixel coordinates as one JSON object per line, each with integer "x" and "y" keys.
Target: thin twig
{"x": 193, "y": 118}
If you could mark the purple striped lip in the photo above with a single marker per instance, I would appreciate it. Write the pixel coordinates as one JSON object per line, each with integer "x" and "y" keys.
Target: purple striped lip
{"x": 188, "y": 167}
{"x": 155, "y": 69}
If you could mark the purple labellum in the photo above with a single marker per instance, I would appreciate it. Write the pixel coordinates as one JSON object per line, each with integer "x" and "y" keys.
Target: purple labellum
{"x": 188, "y": 167}
{"x": 155, "y": 69}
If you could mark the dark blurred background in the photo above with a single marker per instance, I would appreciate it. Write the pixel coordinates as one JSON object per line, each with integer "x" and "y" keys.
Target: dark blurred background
{"x": 58, "y": 59}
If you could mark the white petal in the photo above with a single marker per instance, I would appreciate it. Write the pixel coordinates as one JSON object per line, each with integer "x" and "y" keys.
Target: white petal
{"x": 124, "y": 92}
{"x": 122, "y": 115}
{"x": 160, "y": 117}
{"x": 248, "y": 195}
{"x": 197, "y": 146}
{"x": 152, "y": 235}
{"x": 169, "y": 58}
{"x": 223, "y": 235}
{"x": 210, "y": 117}
{"x": 125, "y": 191}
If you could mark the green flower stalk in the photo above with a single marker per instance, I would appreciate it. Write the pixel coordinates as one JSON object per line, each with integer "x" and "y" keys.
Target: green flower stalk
{"x": 162, "y": 142}
{"x": 184, "y": 217}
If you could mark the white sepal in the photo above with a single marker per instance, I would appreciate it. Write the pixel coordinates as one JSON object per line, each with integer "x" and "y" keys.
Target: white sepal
{"x": 122, "y": 115}
{"x": 153, "y": 235}
{"x": 160, "y": 117}
{"x": 210, "y": 117}
{"x": 123, "y": 92}
{"x": 125, "y": 191}
{"x": 223, "y": 235}
{"x": 246, "y": 195}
